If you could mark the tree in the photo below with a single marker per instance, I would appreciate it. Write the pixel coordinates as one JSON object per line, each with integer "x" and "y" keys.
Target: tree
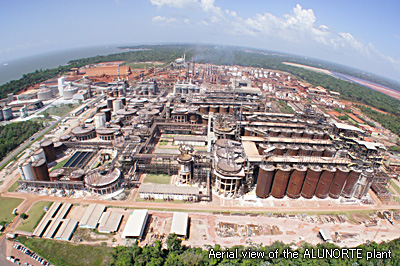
{"x": 23, "y": 216}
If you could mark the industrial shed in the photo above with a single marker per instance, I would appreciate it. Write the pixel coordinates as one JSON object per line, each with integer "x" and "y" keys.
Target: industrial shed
{"x": 180, "y": 223}
{"x": 92, "y": 216}
{"x": 165, "y": 191}
{"x": 136, "y": 224}
{"x": 109, "y": 222}
{"x": 325, "y": 234}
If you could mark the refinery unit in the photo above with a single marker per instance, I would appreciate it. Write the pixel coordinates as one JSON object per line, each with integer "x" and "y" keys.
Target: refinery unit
{"x": 230, "y": 139}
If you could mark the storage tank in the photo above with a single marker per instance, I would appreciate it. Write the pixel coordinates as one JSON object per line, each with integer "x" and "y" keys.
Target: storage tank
{"x": 274, "y": 132}
{"x": 26, "y": 170}
{"x": 287, "y": 133}
{"x": 247, "y": 131}
{"x": 77, "y": 175}
{"x": 338, "y": 182}
{"x": 311, "y": 182}
{"x": 117, "y": 105}
{"x": 39, "y": 154}
{"x": 69, "y": 92}
{"x": 121, "y": 92}
{"x": 318, "y": 135}
{"x": 204, "y": 119}
{"x": 305, "y": 150}
{"x": 318, "y": 151}
{"x": 329, "y": 152}
{"x": 280, "y": 149}
{"x": 352, "y": 179}
{"x": 296, "y": 181}
{"x": 44, "y": 94}
{"x": 7, "y": 113}
{"x": 223, "y": 109}
{"x": 214, "y": 109}
{"x": 1, "y": 114}
{"x": 100, "y": 120}
{"x": 204, "y": 109}
{"x": 297, "y": 134}
{"x": 57, "y": 174}
{"x": 40, "y": 170}
{"x": 59, "y": 147}
{"x": 308, "y": 134}
{"x": 107, "y": 113}
{"x": 364, "y": 183}
{"x": 280, "y": 181}
{"x": 49, "y": 151}
{"x": 325, "y": 182}
{"x": 123, "y": 100}
{"x": 110, "y": 102}
{"x": 292, "y": 150}
{"x": 264, "y": 182}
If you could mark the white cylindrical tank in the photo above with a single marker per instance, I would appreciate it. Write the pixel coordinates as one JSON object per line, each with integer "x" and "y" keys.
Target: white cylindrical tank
{"x": 99, "y": 120}
{"x": 69, "y": 92}
{"x": 61, "y": 86}
{"x": 7, "y": 113}
{"x": 21, "y": 171}
{"x": 44, "y": 94}
{"x": 39, "y": 154}
{"x": 28, "y": 170}
{"x": 23, "y": 112}
{"x": 117, "y": 105}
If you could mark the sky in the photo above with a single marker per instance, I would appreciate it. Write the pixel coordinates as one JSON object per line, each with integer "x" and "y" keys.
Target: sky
{"x": 364, "y": 34}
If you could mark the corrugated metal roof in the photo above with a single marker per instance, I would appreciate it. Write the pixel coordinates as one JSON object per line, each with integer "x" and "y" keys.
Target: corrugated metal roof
{"x": 135, "y": 225}
{"x": 180, "y": 222}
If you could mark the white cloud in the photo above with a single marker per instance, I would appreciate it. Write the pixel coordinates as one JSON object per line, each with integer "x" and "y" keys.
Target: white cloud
{"x": 161, "y": 19}
{"x": 186, "y": 21}
{"x": 174, "y": 3}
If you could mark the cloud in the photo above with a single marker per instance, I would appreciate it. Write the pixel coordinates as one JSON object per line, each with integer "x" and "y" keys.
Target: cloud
{"x": 174, "y": 3}
{"x": 186, "y": 21}
{"x": 161, "y": 19}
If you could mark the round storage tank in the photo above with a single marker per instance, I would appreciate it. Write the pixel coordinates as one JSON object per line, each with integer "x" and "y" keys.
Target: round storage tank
{"x": 273, "y": 132}
{"x": 292, "y": 150}
{"x": 44, "y": 94}
{"x": 204, "y": 109}
{"x": 117, "y": 105}
{"x": 223, "y": 109}
{"x": 39, "y": 154}
{"x": 40, "y": 170}
{"x": 280, "y": 181}
{"x": 264, "y": 182}
{"x": 308, "y": 134}
{"x": 100, "y": 120}
{"x": 69, "y": 92}
{"x": 59, "y": 147}
{"x": 123, "y": 100}
{"x": 311, "y": 182}
{"x": 297, "y": 134}
{"x": 338, "y": 182}
{"x": 77, "y": 175}
{"x": 351, "y": 181}
{"x": 204, "y": 119}
{"x": 27, "y": 171}
{"x": 318, "y": 135}
{"x": 110, "y": 102}
{"x": 49, "y": 151}
{"x": 214, "y": 109}
{"x": 325, "y": 182}
{"x": 318, "y": 151}
{"x": 107, "y": 113}
{"x": 280, "y": 149}
{"x": 329, "y": 152}
{"x": 7, "y": 113}
{"x": 57, "y": 174}
{"x": 305, "y": 150}
{"x": 296, "y": 181}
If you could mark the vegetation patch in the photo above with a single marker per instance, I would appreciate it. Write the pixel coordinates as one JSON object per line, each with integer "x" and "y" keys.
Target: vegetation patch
{"x": 61, "y": 253}
{"x": 7, "y": 205}
{"x": 60, "y": 110}
{"x": 35, "y": 214}
{"x": 14, "y": 186}
{"x": 157, "y": 179}
{"x": 59, "y": 164}
{"x": 395, "y": 186}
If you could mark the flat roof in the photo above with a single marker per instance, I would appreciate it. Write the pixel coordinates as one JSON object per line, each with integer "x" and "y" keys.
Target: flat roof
{"x": 92, "y": 216}
{"x": 287, "y": 140}
{"x": 191, "y": 138}
{"x": 250, "y": 148}
{"x": 109, "y": 222}
{"x": 180, "y": 222}
{"x": 135, "y": 225}
{"x": 370, "y": 145}
{"x": 347, "y": 127}
{"x": 325, "y": 235}
{"x": 168, "y": 189}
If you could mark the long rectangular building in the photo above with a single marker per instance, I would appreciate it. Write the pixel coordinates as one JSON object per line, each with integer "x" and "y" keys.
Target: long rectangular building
{"x": 136, "y": 224}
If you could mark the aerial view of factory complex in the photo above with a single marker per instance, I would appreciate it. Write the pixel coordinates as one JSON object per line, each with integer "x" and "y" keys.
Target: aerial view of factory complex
{"x": 212, "y": 153}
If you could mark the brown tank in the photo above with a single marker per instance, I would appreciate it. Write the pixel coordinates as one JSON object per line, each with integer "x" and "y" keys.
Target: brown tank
{"x": 318, "y": 151}
{"x": 351, "y": 181}
{"x": 264, "y": 182}
{"x": 305, "y": 150}
{"x": 223, "y": 109}
{"x": 204, "y": 109}
{"x": 59, "y": 147}
{"x": 77, "y": 175}
{"x": 214, "y": 109}
{"x": 193, "y": 118}
{"x": 308, "y": 134}
{"x": 326, "y": 136}
{"x": 56, "y": 174}
{"x": 107, "y": 112}
{"x": 292, "y": 150}
{"x": 297, "y": 134}
{"x": 65, "y": 138}
{"x": 280, "y": 181}
{"x": 49, "y": 151}
{"x": 338, "y": 182}
{"x": 40, "y": 170}
{"x": 296, "y": 181}
{"x": 280, "y": 149}
{"x": 273, "y": 132}
{"x": 311, "y": 182}
{"x": 325, "y": 182}
{"x": 318, "y": 135}
{"x": 247, "y": 132}
{"x": 329, "y": 152}
{"x": 287, "y": 133}
{"x": 204, "y": 119}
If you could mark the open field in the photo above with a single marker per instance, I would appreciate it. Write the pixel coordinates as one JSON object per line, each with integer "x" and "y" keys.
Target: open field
{"x": 35, "y": 214}
{"x": 61, "y": 253}
{"x": 14, "y": 186}
{"x": 157, "y": 179}
{"x": 7, "y": 205}
{"x": 59, "y": 164}
{"x": 61, "y": 110}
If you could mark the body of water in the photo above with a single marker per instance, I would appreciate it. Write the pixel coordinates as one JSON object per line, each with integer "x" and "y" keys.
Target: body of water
{"x": 12, "y": 70}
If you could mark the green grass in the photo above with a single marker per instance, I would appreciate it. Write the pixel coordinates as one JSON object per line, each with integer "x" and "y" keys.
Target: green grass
{"x": 14, "y": 186}
{"x": 7, "y": 205}
{"x": 157, "y": 179}
{"x": 62, "y": 253}
{"x": 59, "y": 165}
{"x": 35, "y": 214}
{"x": 61, "y": 110}
{"x": 163, "y": 142}
{"x": 395, "y": 186}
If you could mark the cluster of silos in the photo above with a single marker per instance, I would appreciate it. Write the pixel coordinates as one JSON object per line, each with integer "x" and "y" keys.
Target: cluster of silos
{"x": 297, "y": 150}
{"x": 218, "y": 109}
{"x": 34, "y": 171}
{"x": 307, "y": 182}
{"x": 69, "y": 91}
{"x": 49, "y": 151}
